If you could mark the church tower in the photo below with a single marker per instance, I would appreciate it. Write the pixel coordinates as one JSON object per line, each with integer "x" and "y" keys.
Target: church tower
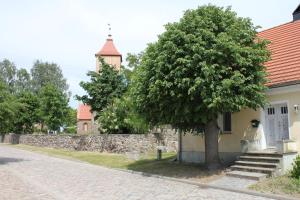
{"x": 85, "y": 118}
{"x": 110, "y": 54}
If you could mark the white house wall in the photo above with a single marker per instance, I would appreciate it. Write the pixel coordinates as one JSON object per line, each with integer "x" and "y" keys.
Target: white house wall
{"x": 230, "y": 144}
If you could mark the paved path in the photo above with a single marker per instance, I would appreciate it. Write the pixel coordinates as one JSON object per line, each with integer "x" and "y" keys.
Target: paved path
{"x": 233, "y": 182}
{"x": 27, "y": 175}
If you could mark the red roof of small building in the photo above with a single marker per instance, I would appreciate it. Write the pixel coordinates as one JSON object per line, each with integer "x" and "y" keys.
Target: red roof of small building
{"x": 84, "y": 112}
{"x": 108, "y": 49}
{"x": 284, "y": 66}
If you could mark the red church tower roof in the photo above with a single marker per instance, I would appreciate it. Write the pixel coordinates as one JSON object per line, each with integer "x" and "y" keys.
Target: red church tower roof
{"x": 108, "y": 49}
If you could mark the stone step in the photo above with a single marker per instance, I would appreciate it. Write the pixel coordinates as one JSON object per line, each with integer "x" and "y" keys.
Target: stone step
{"x": 247, "y": 175}
{"x": 269, "y": 171}
{"x": 260, "y": 159}
{"x": 263, "y": 154}
{"x": 257, "y": 164}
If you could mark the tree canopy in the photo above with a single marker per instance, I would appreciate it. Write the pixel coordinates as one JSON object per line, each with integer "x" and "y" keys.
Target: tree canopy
{"x": 103, "y": 87}
{"x": 121, "y": 117}
{"x": 28, "y": 113}
{"x": 208, "y": 63}
{"x": 23, "y": 81}
{"x": 44, "y": 73}
{"x": 8, "y": 72}
{"x": 9, "y": 107}
{"x": 24, "y": 97}
{"x": 53, "y": 107}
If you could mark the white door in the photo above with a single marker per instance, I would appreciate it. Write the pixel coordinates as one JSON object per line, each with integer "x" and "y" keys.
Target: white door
{"x": 277, "y": 124}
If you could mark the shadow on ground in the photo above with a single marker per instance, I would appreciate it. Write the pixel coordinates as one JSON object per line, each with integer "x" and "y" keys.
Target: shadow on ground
{"x": 6, "y": 160}
{"x": 167, "y": 167}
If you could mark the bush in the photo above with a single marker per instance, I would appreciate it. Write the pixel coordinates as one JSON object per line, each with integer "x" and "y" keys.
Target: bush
{"x": 120, "y": 117}
{"x": 295, "y": 173}
{"x": 72, "y": 129}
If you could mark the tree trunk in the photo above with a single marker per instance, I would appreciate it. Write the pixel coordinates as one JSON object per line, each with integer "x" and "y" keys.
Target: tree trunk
{"x": 212, "y": 159}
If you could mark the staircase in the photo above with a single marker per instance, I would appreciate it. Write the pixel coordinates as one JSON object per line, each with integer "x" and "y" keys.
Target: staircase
{"x": 257, "y": 165}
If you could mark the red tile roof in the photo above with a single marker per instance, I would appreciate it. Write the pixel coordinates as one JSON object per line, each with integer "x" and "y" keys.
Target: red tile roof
{"x": 84, "y": 112}
{"x": 108, "y": 49}
{"x": 284, "y": 66}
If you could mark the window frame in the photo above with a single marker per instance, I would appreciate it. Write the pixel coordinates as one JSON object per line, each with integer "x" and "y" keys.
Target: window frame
{"x": 224, "y": 115}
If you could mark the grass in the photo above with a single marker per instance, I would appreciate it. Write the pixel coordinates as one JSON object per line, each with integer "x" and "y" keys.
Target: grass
{"x": 284, "y": 185}
{"x": 145, "y": 163}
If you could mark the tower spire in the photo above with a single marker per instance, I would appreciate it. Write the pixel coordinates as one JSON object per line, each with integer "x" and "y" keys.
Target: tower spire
{"x": 109, "y": 31}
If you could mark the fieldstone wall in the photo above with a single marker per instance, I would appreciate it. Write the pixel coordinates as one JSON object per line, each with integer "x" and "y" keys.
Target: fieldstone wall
{"x": 113, "y": 143}
{"x": 10, "y": 138}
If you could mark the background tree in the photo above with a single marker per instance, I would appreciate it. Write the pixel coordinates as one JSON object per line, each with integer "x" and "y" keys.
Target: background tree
{"x": 107, "y": 96}
{"x": 71, "y": 118}
{"x": 23, "y": 81}
{"x": 208, "y": 63}
{"x": 8, "y": 72}
{"x": 133, "y": 61}
{"x": 28, "y": 113}
{"x": 20, "y": 106}
{"x": 9, "y": 107}
{"x": 121, "y": 117}
{"x": 53, "y": 107}
{"x": 103, "y": 87}
{"x": 71, "y": 121}
{"x": 44, "y": 73}
{"x": 17, "y": 80}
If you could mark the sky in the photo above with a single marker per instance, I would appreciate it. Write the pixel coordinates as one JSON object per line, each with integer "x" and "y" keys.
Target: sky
{"x": 70, "y": 32}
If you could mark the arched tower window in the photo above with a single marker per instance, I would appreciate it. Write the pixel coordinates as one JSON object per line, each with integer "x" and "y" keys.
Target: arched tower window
{"x": 85, "y": 126}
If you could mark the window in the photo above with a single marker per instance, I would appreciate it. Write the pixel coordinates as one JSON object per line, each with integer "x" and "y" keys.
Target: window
{"x": 227, "y": 122}
{"x": 85, "y": 127}
{"x": 271, "y": 111}
{"x": 284, "y": 110}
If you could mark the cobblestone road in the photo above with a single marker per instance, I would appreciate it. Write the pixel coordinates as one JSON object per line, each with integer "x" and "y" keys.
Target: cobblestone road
{"x": 32, "y": 176}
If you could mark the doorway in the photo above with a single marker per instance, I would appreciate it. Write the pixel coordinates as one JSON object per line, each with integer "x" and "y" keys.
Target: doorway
{"x": 277, "y": 124}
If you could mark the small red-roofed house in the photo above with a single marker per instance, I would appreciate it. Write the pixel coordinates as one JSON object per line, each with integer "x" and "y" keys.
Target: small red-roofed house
{"x": 276, "y": 128}
{"x": 85, "y": 117}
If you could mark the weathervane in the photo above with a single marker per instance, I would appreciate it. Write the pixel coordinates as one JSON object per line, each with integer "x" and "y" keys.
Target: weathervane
{"x": 109, "y": 30}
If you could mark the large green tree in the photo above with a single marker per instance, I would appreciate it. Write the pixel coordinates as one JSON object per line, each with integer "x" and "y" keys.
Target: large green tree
{"x": 44, "y": 73}
{"x": 8, "y": 72}
{"x": 208, "y": 63}
{"x": 28, "y": 113}
{"x": 24, "y": 97}
{"x": 9, "y": 107}
{"x": 103, "y": 87}
{"x": 17, "y": 80}
{"x": 22, "y": 82}
{"x": 53, "y": 107}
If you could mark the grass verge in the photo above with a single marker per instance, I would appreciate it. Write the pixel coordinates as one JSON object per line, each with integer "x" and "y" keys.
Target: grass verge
{"x": 145, "y": 163}
{"x": 283, "y": 185}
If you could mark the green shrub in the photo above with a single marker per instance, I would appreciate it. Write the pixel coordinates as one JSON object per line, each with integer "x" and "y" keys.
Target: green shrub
{"x": 72, "y": 129}
{"x": 295, "y": 173}
{"x": 120, "y": 117}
